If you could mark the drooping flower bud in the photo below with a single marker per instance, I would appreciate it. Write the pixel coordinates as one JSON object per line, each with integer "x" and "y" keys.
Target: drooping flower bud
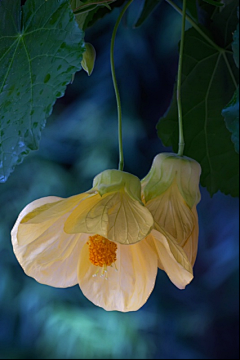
{"x": 171, "y": 193}
{"x": 168, "y": 168}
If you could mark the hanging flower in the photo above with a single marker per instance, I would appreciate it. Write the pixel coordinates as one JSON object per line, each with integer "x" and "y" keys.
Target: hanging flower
{"x": 100, "y": 239}
{"x": 170, "y": 191}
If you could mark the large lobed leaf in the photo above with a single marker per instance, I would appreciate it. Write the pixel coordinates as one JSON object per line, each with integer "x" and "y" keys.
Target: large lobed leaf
{"x": 41, "y": 47}
{"x": 207, "y": 85}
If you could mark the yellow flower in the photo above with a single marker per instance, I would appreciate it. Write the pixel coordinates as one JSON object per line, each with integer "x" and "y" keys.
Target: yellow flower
{"x": 101, "y": 240}
{"x": 171, "y": 192}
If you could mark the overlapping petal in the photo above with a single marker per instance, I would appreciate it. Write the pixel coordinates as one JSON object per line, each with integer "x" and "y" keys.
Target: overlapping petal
{"x": 128, "y": 287}
{"x": 191, "y": 245}
{"x": 172, "y": 214}
{"x": 170, "y": 191}
{"x": 43, "y": 211}
{"x": 49, "y": 255}
{"x": 172, "y": 258}
{"x": 115, "y": 216}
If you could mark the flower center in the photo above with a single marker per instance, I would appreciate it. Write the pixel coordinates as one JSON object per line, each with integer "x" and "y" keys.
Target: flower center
{"x": 102, "y": 252}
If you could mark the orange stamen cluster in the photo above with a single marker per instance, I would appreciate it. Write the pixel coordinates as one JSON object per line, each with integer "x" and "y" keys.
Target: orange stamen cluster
{"x": 102, "y": 252}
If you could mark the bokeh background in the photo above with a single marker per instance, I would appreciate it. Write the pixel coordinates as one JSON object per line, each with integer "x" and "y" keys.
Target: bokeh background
{"x": 79, "y": 141}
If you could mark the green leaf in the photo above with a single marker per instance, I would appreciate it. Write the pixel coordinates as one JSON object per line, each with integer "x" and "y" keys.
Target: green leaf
{"x": 147, "y": 9}
{"x": 214, "y": 3}
{"x": 208, "y": 83}
{"x": 231, "y": 115}
{"x": 40, "y": 48}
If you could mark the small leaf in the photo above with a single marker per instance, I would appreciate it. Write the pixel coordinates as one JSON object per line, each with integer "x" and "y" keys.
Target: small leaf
{"x": 148, "y": 7}
{"x": 89, "y": 57}
{"x": 37, "y": 61}
{"x": 231, "y": 115}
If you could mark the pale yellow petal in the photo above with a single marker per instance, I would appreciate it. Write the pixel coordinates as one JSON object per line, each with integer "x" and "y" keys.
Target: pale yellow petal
{"x": 191, "y": 245}
{"x": 31, "y": 232}
{"x": 169, "y": 167}
{"x": 172, "y": 258}
{"x": 171, "y": 212}
{"x": 80, "y": 221}
{"x": 128, "y": 287}
{"x": 39, "y": 215}
{"x": 115, "y": 216}
{"x": 52, "y": 210}
{"x": 52, "y": 256}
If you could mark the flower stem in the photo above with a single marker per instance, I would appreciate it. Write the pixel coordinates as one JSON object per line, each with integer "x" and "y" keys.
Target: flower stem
{"x": 121, "y": 160}
{"x": 181, "y": 143}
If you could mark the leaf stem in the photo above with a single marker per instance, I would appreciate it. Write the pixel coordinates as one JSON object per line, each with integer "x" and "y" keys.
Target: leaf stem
{"x": 196, "y": 27}
{"x": 181, "y": 143}
{"x": 121, "y": 159}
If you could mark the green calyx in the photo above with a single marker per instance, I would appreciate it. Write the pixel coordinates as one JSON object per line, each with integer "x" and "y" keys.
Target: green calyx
{"x": 116, "y": 180}
{"x": 170, "y": 168}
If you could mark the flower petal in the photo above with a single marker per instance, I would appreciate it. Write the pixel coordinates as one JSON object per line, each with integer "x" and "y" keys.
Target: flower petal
{"x": 32, "y": 231}
{"x": 169, "y": 167}
{"x": 115, "y": 216}
{"x": 51, "y": 209}
{"x": 171, "y": 213}
{"x": 191, "y": 245}
{"x": 128, "y": 287}
{"x": 52, "y": 256}
{"x": 172, "y": 258}
{"x": 43, "y": 211}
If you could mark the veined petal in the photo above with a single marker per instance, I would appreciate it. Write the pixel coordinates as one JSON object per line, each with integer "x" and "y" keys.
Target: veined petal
{"x": 169, "y": 167}
{"x": 28, "y": 233}
{"x": 80, "y": 221}
{"x": 171, "y": 213}
{"x": 173, "y": 259}
{"x": 51, "y": 210}
{"x": 39, "y": 215}
{"x": 191, "y": 245}
{"x": 52, "y": 256}
{"x": 115, "y": 216}
{"x": 128, "y": 287}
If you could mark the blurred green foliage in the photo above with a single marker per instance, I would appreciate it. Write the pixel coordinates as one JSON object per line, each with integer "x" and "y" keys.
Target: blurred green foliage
{"x": 79, "y": 141}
